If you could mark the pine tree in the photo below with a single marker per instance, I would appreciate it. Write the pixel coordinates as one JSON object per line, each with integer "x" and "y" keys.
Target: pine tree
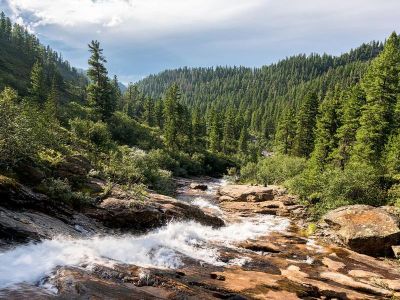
{"x": 346, "y": 134}
{"x": 228, "y": 141}
{"x": 148, "y": 111}
{"x": 328, "y": 123}
{"x": 305, "y": 126}
{"x": 51, "y": 105}
{"x": 99, "y": 89}
{"x": 286, "y": 131}
{"x": 171, "y": 115}
{"x": 214, "y": 134}
{"x": 243, "y": 140}
{"x": 381, "y": 86}
{"x": 158, "y": 108}
{"x": 37, "y": 89}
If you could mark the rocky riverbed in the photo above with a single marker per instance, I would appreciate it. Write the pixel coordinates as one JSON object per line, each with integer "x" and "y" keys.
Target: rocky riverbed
{"x": 215, "y": 241}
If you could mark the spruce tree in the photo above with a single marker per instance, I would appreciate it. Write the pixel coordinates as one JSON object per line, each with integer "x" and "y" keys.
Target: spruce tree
{"x": 305, "y": 126}
{"x": 381, "y": 86}
{"x": 171, "y": 116}
{"x": 328, "y": 123}
{"x": 353, "y": 101}
{"x": 228, "y": 141}
{"x": 99, "y": 89}
{"x": 286, "y": 131}
{"x": 243, "y": 140}
{"x": 214, "y": 134}
{"x": 37, "y": 88}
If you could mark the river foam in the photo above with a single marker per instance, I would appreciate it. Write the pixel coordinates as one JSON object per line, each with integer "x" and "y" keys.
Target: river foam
{"x": 162, "y": 248}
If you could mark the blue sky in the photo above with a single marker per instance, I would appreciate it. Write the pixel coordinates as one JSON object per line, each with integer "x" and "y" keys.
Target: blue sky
{"x": 141, "y": 37}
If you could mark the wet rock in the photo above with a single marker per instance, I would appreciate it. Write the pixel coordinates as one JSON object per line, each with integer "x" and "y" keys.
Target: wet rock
{"x": 260, "y": 246}
{"x": 143, "y": 215}
{"x": 363, "y": 228}
{"x": 198, "y": 186}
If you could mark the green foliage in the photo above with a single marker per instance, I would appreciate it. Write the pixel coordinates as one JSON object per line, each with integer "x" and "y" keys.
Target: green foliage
{"x": 272, "y": 170}
{"x": 356, "y": 184}
{"x": 100, "y": 90}
{"x": 95, "y": 132}
{"x": 60, "y": 190}
{"x": 128, "y": 131}
{"x": 381, "y": 86}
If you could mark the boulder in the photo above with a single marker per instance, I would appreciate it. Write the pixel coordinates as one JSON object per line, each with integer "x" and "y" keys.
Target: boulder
{"x": 198, "y": 186}
{"x": 249, "y": 193}
{"x": 130, "y": 214}
{"x": 362, "y": 228}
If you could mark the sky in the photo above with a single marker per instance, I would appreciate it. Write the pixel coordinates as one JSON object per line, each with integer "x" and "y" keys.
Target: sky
{"x": 142, "y": 37}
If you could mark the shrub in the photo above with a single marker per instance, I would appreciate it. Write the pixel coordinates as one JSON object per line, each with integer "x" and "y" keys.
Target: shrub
{"x": 60, "y": 190}
{"x": 272, "y": 170}
{"x": 94, "y": 132}
{"x": 356, "y": 184}
{"x": 128, "y": 131}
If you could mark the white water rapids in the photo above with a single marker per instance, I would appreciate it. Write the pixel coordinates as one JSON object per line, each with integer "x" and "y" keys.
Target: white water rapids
{"x": 162, "y": 248}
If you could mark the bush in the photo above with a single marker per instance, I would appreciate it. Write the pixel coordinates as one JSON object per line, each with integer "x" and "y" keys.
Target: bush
{"x": 60, "y": 190}
{"x": 272, "y": 170}
{"x": 94, "y": 132}
{"x": 127, "y": 131}
{"x": 332, "y": 188}
{"x": 133, "y": 166}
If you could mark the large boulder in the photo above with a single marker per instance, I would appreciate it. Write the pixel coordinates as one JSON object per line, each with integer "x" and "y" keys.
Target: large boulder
{"x": 249, "y": 193}
{"x": 362, "y": 228}
{"x": 129, "y": 214}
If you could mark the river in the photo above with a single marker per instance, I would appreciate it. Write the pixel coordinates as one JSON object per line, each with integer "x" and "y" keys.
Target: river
{"x": 165, "y": 248}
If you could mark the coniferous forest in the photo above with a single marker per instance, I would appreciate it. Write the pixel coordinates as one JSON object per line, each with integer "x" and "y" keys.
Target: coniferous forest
{"x": 326, "y": 127}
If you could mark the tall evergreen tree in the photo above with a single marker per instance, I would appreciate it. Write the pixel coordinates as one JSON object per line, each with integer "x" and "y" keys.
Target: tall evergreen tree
{"x": 171, "y": 116}
{"x": 286, "y": 131}
{"x": 353, "y": 101}
{"x": 214, "y": 134}
{"x": 37, "y": 88}
{"x": 99, "y": 89}
{"x": 243, "y": 140}
{"x": 381, "y": 86}
{"x": 328, "y": 123}
{"x": 305, "y": 126}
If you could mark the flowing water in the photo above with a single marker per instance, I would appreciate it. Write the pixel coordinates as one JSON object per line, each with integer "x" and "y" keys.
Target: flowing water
{"x": 166, "y": 247}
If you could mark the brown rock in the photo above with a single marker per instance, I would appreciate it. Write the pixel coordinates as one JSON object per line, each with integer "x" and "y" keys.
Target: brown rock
{"x": 248, "y": 193}
{"x": 396, "y": 251}
{"x": 333, "y": 264}
{"x": 142, "y": 215}
{"x": 363, "y": 228}
{"x": 198, "y": 186}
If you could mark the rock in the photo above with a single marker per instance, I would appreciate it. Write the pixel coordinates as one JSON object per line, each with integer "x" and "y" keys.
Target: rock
{"x": 249, "y": 193}
{"x": 396, "y": 251}
{"x": 137, "y": 215}
{"x": 198, "y": 186}
{"x": 364, "y": 229}
{"x": 74, "y": 168}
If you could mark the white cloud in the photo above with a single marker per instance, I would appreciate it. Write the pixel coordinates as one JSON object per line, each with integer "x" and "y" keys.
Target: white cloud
{"x": 139, "y": 14}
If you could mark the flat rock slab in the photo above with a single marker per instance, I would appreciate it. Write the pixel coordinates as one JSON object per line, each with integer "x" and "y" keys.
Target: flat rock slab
{"x": 248, "y": 193}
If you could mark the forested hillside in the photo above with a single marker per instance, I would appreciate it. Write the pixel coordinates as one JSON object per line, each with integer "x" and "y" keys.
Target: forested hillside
{"x": 20, "y": 50}
{"x": 261, "y": 94}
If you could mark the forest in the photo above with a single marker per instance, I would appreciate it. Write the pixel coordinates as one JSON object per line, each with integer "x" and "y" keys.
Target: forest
{"x": 325, "y": 127}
